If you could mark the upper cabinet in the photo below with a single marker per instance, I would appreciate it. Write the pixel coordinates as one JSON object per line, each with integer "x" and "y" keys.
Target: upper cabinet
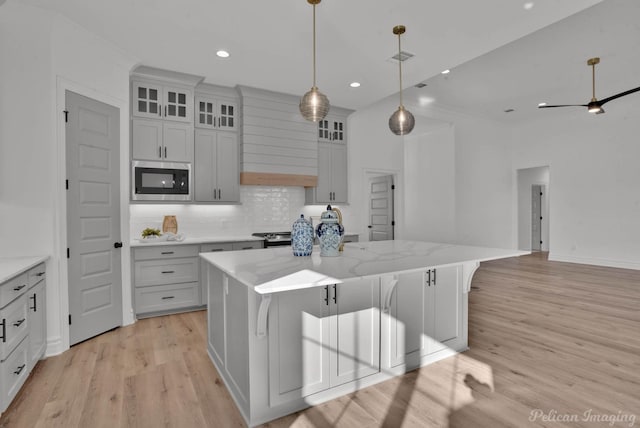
{"x": 155, "y": 101}
{"x": 332, "y": 129}
{"x": 332, "y": 160}
{"x": 216, "y": 113}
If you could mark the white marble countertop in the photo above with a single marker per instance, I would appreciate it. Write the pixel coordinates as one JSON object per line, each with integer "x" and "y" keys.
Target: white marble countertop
{"x": 276, "y": 269}
{"x": 137, "y": 242}
{"x": 14, "y": 266}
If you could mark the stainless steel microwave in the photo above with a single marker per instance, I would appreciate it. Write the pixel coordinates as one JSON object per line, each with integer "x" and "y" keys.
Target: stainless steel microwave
{"x": 160, "y": 181}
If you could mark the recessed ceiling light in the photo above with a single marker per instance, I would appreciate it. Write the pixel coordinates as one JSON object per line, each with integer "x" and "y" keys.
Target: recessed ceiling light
{"x": 355, "y": 84}
{"x": 542, "y": 104}
{"x": 447, "y": 71}
{"x": 222, "y": 54}
{"x": 528, "y": 5}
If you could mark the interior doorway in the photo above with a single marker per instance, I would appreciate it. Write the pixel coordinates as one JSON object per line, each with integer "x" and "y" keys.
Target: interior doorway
{"x": 533, "y": 208}
{"x": 380, "y": 218}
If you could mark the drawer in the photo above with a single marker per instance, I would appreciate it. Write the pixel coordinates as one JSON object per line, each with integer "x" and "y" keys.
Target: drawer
{"x": 157, "y": 272}
{"x": 14, "y": 371}
{"x": 36, "y": 274}
{"x": 249, "y": 245}
{"x": 13, "y": 325}
{"x": 209, "y": 248}
{"x": 165, "y": 297}
{"x": 165, "y": 252}
{"x": 13, "y": 288}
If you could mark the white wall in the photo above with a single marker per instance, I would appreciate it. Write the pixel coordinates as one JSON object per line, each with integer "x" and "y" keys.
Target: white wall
{"x": 525, "y": 179}
{"x": 595, "y": 200}
{"x": 42, "y": 56}
{"x": 430, "y": 180}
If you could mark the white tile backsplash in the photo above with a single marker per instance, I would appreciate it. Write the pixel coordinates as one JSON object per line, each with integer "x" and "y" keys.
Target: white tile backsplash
{"x": 262, "y": 209}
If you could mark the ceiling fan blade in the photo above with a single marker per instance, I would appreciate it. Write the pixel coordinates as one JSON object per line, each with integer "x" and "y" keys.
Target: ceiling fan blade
{"x": 621, "y": 94}
{"x": 565, "y": 105}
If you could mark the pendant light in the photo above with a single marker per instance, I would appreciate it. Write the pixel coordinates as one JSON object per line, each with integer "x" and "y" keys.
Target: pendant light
{"x": 314, "y": 105}
{"x": 402, "y": 121}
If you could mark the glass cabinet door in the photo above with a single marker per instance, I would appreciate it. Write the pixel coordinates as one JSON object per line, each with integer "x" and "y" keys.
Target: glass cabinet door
{"x": 177, "y": 104}
{"x": 147, "y": 100}
{"x": 227, "y": 114}
{"x": 205, "y": 115}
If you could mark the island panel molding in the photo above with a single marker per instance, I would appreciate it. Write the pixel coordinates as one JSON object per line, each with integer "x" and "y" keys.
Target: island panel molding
{"x": 289, "y": 332}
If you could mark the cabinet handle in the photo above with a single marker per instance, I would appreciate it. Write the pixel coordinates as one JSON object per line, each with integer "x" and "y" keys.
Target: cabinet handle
{"x": 168, "y": 271}
{"x": 216, "y": 250}
{"x": 4, "y": 330}
{"x": 20, "y": 368}
{"x": 335, "y": 294}
{"x": 168, "y": 297}
{"x": 218, "y": 122}
{"x": 167, "y": 252}
{"x": 429, "y": 278}
{"x": 165, "y": 111}
{"x": 165, "y": 152}
{"x": 247, "y": 248}
{"x": 219, "y": 194}
{"x": 20, "y": 287}
{"x": 34, "y": 302}
{"x": 434, "y": 277}
{"x": 160, "y": 110}
{"x": 19, "y": 322}
{"x": 326, "y": 295}
{"x": 40, "y": 274}
{"x": 160, "y": 152}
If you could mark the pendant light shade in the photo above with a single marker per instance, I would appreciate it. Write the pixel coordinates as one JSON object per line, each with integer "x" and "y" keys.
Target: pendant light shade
{"x": 401, "y": 121}
{"x": 314, "y": 105}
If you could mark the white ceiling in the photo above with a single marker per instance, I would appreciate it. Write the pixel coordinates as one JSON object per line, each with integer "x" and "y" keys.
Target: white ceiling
{"x": 270, "y": 42}
{"x": 548, "y": 65}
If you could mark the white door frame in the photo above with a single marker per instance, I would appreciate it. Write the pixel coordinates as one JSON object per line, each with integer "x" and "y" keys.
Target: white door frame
{"x": 57, "y": 312}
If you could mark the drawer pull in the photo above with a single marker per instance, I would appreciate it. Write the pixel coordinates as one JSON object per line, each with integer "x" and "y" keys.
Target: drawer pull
{"x": 4, "y": 330}
{"x": 168, "y": 297}
{"x": 20, "y": 287}
{"x": 20, "y": 368}
{"x": 167, "y": 252}
{"x": 40, "y": 274}
{"x": 216, "y": 250}
{"x": 247, "y": 248}
{"x": 19, "y": 322}
{"x": 168, "y": 271}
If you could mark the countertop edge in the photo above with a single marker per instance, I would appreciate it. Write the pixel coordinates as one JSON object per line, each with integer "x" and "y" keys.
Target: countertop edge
{"x": 10, "y": 267}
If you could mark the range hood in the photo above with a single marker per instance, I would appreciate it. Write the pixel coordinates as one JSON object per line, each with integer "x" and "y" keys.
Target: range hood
{"x": 279, "y": 147}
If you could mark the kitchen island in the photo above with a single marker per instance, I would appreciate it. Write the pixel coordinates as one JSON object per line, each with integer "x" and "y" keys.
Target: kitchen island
{"x": 289, "y": 332}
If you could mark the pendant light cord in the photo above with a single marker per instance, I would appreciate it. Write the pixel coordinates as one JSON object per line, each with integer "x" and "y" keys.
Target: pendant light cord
{"x": 593, "y": 81}
{"x": 314, "y": 45}
{"x": 400, "y": 66}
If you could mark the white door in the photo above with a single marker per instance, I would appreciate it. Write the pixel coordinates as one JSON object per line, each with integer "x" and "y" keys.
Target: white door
{"x": 93, "y": 217}
{"x": 536, "y": 217}
{"x": 381, "y": 208}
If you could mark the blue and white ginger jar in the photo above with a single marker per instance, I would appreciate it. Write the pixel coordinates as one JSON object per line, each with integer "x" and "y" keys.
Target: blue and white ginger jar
{"x": 302, "y": 237}
{"x": 330, "y": 233}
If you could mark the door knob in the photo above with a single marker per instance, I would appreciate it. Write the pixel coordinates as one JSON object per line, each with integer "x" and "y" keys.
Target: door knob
{"x": 117, "y": 245}
{"x": 370, "y": 227}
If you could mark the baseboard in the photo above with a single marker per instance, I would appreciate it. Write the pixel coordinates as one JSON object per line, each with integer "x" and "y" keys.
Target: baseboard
{"x": 622, "y": 264}
{"x": 54, "y": 347}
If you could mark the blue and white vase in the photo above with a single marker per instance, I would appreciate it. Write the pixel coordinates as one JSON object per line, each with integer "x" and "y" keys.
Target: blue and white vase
{"x": 302, "y": 237}
{"x": 330, "y": 233}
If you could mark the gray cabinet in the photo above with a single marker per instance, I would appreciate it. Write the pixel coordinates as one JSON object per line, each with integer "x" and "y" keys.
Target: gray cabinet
{"x": 161, "y": 141}
{"x": 166, "y": 279}
{"x": 23, "y": 328}
{"x": 339, "y": 329}
{"x": 36, "y": 314}
{"x": 154, "y": 100}
{"x": 216, "y": 166}
{"x": 216, "y": 113}
{"x": 425, "y": 315}
{"x": 332, "y": 161}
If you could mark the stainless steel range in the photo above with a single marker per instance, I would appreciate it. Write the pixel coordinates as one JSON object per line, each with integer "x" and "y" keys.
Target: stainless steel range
{"x": 275, "y": 239}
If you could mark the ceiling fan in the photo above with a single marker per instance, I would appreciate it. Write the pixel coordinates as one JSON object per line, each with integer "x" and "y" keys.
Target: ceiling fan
{"x": 594, "y": 106}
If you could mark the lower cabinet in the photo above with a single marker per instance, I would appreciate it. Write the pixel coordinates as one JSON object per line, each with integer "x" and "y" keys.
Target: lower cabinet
{"x": 170, "y": 278}
{"x": 425, "y": 315}
{"x": 23, "y": 328}
{"x": 339, "y": 329}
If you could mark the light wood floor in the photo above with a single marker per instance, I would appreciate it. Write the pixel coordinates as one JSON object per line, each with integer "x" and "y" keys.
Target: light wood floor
{"x": 562, "y": 338}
